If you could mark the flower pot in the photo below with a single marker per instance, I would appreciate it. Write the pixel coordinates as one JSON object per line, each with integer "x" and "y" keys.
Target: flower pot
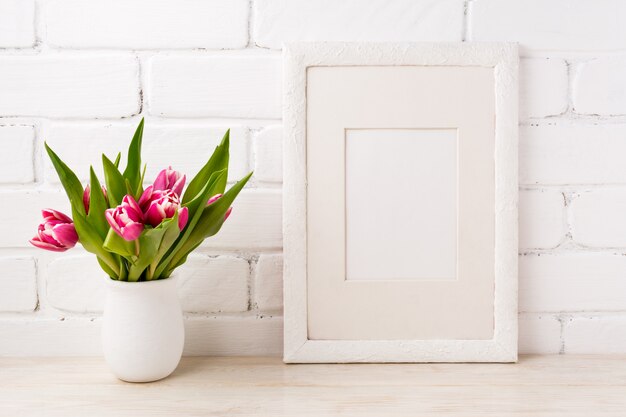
{"x": 142, "y": 330}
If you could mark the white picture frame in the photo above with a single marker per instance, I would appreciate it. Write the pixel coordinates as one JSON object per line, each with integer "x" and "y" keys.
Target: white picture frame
{"x": 306, "y": 337}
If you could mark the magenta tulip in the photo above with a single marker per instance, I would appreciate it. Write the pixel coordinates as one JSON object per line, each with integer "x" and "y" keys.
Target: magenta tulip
{"x": 168, "y": 179}
{"x": 56, "y": 233}
{"x": 214, "y": 199}
{"x": 87, "y": 196}
{"x": 126, "y": 219}
{"x": 159, "y": 205}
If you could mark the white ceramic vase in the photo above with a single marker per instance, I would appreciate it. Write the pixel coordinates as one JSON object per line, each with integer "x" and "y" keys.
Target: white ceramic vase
{"x": 142, "y": 329}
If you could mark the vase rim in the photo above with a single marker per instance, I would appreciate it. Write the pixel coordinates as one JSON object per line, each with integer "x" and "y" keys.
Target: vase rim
{"x": 153, "y": 283}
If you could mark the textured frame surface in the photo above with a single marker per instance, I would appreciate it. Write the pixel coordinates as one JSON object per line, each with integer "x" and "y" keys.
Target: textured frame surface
{"x": 297, "y": 57}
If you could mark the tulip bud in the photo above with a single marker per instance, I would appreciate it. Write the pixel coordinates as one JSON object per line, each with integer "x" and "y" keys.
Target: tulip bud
{"x": 126, "y": 219}
{"x": 159, "y": 205}
{"x": 168, "y": 179}
{"x": 87, "y": 196}
{"x": 214, "y": 199}
{"x": 56, "y": 233}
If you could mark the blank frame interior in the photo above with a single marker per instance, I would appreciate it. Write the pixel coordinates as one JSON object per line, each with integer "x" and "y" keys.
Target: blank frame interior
{"x": 401, "y": 235}
{"x": 400, "y": 202}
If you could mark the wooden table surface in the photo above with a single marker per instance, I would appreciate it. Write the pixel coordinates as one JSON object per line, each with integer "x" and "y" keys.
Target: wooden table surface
{"x": 536, "y": 386}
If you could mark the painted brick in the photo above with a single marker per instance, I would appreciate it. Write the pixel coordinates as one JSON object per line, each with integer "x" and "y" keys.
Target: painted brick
{"x": 147, "y": 24}
{"x": 18, "y": 285}
{"x": 600, "y": 87}
{"x": 16, "y": 154}
{"x": 605, "y": 334}
{"x": 214, "y": 336}
{"x": 50, "y": 337}
{"x": 215, "y": 86}
{"x": 598, "y": 218}
{"x": 76, "y": 284}
{"x": 539, "y": 334}
{"x": 185, "y": 147}
{"x": 268, "y": 153}
{"x": 256, "y": 222}
{"x": 214, "y": 285}
{"x": 234, "y": 336}
{"x": 571, "y": 25}
{"x": 376, "y": 20}
{"x": 563, "y": 282}
{"x": 268, "y": 283}
{"x": 21, "y": 225}
{"x": 543, "y": 87}
{"x": 541, "y": 219}
{"x": 572, "y": 154}
{"x": 69, "y": 85}
{"x": 17, "y": 23}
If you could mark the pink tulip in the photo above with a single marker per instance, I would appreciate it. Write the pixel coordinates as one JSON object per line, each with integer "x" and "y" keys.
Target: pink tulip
{"x": 214, "y": 199}
{"x": 126, "y": 219}
{"x": 56, "y": 233}
{"x": 87, "y": 196}
{"x": 158, "y": 205}
{"x": 168, "y": 179}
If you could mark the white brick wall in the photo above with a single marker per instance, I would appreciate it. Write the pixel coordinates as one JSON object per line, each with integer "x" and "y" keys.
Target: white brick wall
{"x": 268, "y": 152}
{"x": 268, "y": 283}
{"x": 554, "y": 25}
{"x": 147, "y": 24}
{"x": 561, "y": 154}
{"x": 214, "y": 285}
{"x": 541, "y": 219}
{"x": 69, "y": 85}
{"x": 600, "y": 87}
{"x": 543, "y": 87}
{"x": 16, "y": 154}
{"x": 18, "y": 285}
{"x": 215, "y": 86}
{"x": 17, "y": 29}
{"x": 80, "y": 73}
{"x": 376, "y": 20}
{"x": 598, "y": 218}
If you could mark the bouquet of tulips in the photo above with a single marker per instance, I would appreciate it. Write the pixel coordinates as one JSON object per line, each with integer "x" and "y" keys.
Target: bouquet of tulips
{"x": 140, "y": 234}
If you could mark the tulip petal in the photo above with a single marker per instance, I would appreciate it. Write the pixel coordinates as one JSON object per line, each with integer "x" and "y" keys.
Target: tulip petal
{"x": 179, "y": 185}
{"x": 227, "y": 215}
{"x": 183, "y": 216}
{"x": 47, "y": 213}
{"x": 46, "y": 246}
{"x": 65, "y": 234}
{"x": 160, "y": 183}
{"x": 87, "y": 198}
{"x": 145, "y": 197}
{"x": 131, "y": 231}
{"x": 213, "y": 199}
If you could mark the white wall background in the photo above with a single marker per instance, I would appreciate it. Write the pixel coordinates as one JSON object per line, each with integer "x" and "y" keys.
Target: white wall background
{"x": 81, "y": 73}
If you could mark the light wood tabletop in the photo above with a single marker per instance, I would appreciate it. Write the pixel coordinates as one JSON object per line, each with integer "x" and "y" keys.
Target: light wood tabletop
{"x": 536, "y": 386}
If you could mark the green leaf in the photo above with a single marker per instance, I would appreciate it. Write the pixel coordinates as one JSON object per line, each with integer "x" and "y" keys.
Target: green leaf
{"x": 106, "y": 268}
{"x": 213, "y": 216}
{"x": 116, "y": 186}
{"x": 217, "y": 162}
{"x": 93, "y": 242}
{"x": 133, "y": 167}
{"x": 70, "y": 181}
{"x": 149, "y": 244}
{"x": 210, "y": 223}
{"x": 195, "y": 208}
{"x": 97, "y": 206}
{"x": 117, "y": 160}
{"x": 117, "y": 244}
{"x": 169, "y": 237}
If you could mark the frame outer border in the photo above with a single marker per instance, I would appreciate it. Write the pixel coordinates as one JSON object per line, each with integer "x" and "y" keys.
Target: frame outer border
{"x": 297, "y": 57}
